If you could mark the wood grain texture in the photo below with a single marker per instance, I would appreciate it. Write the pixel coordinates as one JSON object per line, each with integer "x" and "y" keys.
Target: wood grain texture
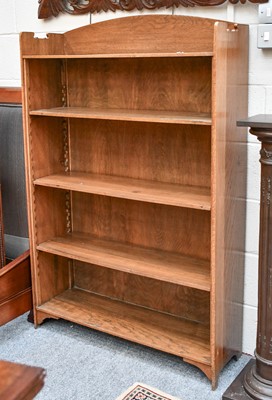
{"x": 181, "y": 301}
{"x": 55, "y": 276}
{"x": 143, "y": 224}
{"x": 50, "y": 213}
{"x": 142, "y": 151}
{"x": 151, "y": 81}
{"x": 228, "y": 194}
{"x": 19, "y": 269}
{"x": 46, "y": 134}
{"x": 83, "y": 168}
{"x": 30, "y": 45}
{"x": 168, "y": 267}
{"x": 43, "y": 91}
{"x": 16, "y": 293}
{"x": 11, "y": 95}
{"x": 128, "y": 115}
{"x": 133, "y": 323}
{"x": 178, "y": 54}
{"x": 175, "y": 35}
{"x": 49, "y": 8}
{"x": 132, "y": 189}
{"x": 20, "y": 382}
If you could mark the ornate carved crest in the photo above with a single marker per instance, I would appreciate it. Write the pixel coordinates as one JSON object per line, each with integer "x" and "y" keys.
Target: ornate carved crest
{"x": 49, "y": 8}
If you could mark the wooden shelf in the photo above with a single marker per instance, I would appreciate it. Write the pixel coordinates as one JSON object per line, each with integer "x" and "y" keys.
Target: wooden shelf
{"x": 155, "y": 264}
{"x": 169, "y": 117}
{"x": 182, "y": 337}
{"x": 133, "y": 189}
{"x": 122, "y": 55}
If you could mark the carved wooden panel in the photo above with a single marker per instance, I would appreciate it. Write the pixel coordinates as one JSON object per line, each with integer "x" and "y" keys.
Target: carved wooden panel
{"x": 49, "y": 8}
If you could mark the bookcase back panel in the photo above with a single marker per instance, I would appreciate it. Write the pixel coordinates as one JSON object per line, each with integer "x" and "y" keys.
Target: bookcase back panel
{"x": 174, "y": 299}
{"x": 44, "y": 80}
{"x": 142, "y": 151}
{"x": 144, "y": 224}
{"x": 176, "y": 84}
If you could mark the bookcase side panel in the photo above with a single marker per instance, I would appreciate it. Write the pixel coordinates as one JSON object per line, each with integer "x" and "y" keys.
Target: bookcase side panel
{"x": 55, "y": 276}
{"x": 228, "y": 193}
{"x": 45, "y": 84}
{"x": 50, "y": 219}
{"x": 35, "y": 77}
{"x": 47, "y": 146}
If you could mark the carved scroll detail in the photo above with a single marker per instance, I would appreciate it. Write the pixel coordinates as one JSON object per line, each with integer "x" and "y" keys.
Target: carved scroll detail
{"x": 266, "y": 153}
{"x": 49, "y": 8}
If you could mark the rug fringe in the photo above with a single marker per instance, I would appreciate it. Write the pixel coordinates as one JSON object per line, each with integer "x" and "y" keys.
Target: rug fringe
{"x": 137, "y": 388}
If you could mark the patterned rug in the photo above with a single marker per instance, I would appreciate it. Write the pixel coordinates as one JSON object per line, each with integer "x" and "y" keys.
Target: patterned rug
{"x": 143, "y": 392}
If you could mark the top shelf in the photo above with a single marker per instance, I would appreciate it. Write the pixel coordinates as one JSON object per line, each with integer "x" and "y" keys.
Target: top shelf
{"x": 169, "y": 117}
{"x": 122, "y": 55}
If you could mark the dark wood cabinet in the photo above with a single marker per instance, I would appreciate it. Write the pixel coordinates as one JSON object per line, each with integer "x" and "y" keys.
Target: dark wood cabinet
{"x": 20, "y": 382}
{"x": 136, "y": 181}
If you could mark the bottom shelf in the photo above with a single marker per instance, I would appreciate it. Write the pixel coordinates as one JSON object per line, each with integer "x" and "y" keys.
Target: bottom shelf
{"x": 161, "y": 331}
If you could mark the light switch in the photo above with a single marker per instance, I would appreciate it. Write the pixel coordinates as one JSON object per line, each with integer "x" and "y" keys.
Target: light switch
{"x": 265, "y": 12}
{"x": 265, "y": 36}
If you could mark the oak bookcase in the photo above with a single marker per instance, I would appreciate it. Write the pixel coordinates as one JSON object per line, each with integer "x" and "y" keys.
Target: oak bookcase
{"x": 136, "y": 181}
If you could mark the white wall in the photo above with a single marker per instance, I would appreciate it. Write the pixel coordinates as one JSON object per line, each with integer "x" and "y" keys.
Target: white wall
{"x": 18, "y": 15}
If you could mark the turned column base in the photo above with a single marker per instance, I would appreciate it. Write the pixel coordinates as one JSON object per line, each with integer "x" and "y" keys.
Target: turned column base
{"x": 248, "y": 385}
{"x": 257, "y": 387}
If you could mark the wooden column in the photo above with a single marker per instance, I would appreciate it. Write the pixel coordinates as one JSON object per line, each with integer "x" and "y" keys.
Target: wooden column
{"x": 255, "y": 381}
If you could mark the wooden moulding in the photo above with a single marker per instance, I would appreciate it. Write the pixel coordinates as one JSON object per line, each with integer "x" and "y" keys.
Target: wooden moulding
{"x": 11, "y": 95}
{"x": 49, "y": 8}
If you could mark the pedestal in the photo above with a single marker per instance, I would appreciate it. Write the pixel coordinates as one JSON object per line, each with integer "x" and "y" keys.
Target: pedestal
{"x": 255, "y": 381}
